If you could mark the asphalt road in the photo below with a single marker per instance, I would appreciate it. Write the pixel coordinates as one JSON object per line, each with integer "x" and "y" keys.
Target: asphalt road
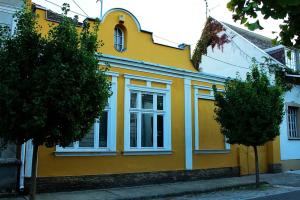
{"x": 285, "y": 196}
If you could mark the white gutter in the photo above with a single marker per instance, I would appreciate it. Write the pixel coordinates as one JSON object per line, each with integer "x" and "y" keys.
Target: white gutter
{"x": 292, "y": 75}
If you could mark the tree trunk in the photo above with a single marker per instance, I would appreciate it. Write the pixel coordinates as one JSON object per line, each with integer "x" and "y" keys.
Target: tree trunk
{"x": 33, "y": 172}
{"x": 256, "y": 166}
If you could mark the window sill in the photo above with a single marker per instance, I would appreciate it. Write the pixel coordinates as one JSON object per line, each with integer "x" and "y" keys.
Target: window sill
{"x": 85, "y": 153}
{"x": 294, "y": 138}
{"x": 146, "y": 152}
{"x": 212, "y": 151}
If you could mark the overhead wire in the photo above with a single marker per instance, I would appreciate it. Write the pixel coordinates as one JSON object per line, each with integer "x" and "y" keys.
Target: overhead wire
{"x": 79, "y": 7}
{"x": 70, "y": 10}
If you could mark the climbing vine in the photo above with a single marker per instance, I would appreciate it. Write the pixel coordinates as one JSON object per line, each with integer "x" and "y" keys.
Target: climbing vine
{"x": 210, "y": 37}
{"x": 280, "y": 72}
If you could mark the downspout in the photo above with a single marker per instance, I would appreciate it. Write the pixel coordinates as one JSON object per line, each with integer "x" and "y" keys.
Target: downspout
{"x": 22, "y": 172}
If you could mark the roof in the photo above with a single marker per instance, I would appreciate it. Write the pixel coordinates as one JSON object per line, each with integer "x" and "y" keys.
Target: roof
{"x": 260, "y": 41}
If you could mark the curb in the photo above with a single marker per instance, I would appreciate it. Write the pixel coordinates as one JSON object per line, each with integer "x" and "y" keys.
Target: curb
{"x": 178, "y": 194}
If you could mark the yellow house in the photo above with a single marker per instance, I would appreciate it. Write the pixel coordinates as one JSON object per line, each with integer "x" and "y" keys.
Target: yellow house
{"x": 159, "y": 123}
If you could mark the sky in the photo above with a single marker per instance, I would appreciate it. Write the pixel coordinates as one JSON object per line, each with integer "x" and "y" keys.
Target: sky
{"x": 172, "y": 21}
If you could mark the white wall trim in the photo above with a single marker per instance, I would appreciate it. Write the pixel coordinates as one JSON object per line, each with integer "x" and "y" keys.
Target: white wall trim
{"x": 138, "y": 153}
{"x": 197, "y": 96}
{"x": 188, "y": 125}
{"x": 147, "y": 79}
{"x": 111, "y": 73}
{"x": 143, "y": 66}
{"x": 9, "y": 9}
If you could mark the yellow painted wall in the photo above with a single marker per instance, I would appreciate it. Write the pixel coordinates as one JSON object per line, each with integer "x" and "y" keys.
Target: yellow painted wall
{"x": 210, "y": 136}
{"x": 247, "y": 159}
{"x": 140, "y": 44}
{"x": 51, "y": 165}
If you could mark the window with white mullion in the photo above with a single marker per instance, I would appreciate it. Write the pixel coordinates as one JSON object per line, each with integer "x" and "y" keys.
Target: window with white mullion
{"x": 295, "y": 123}
{"x": 155, "y": 121}
{"x": 292, "y": 120}
{"x": 147, "y": 120}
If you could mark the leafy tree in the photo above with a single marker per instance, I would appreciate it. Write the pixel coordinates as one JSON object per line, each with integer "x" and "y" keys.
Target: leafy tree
{"x": 51, "y": 88}
{"x": 288, "y": 10}
{"x": 250, "y": 111}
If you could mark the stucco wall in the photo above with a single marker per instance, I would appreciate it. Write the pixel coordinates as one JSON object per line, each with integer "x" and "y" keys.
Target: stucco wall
{"x": 290, "y": 149}
{"x": 235, "y": 57}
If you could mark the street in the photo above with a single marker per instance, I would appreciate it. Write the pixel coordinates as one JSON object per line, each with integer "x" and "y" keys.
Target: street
{"x": 286, "y": 196}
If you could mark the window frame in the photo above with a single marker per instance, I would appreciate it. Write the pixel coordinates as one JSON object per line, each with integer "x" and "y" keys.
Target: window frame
{"x": 291, "y": 62}
{"x": 296, "y": 124}
{"x": 148, "y": 89}
{"x": 117, "y": 36}
{"x": 10, "y": 10}
{"x": 206, "y": 96}
{"x": 111, "y": 109}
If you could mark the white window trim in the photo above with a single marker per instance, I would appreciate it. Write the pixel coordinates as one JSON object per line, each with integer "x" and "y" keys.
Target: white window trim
{"x": 11, "y": 10}
{"x": 210, "y": 96}
{"x": 122, "y": 36}
{"x": 290, "y": 62}
{"x": 287, "y": 120}
{"x": 167, "y": 116}
{"x": 111, "y": 130}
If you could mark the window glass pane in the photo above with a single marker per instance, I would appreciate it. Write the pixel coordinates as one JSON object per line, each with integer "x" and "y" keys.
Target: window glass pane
{"x": 88, "y": 139}
{"x": 160, "y": 102}
{"x": 147, "y": 130}
{"x": 103, "y": 129}
{"x": 160, "y": 130}
{"x": 133, "y": 130}
{"x": 133, "y": 98}
{"x": 147, "y": 101}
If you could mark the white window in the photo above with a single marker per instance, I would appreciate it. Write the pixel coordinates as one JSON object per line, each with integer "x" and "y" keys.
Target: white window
{"x": 7, "y": 18}
{"x": 147, "y": 117}
{"x": 119, "y": 39}
{"x": 293, "y": 123}
{"x": 290, "y": 61}
{"x": 102, "y": 136}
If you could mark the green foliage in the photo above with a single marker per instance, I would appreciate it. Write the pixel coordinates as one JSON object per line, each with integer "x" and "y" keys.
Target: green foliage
{"x": 250, "y": 112}
{"x": 288, "y": 10}
{"x": 280, "y": 72}
{"x": 51, "y": 88}
{"x": 208, "y": 38}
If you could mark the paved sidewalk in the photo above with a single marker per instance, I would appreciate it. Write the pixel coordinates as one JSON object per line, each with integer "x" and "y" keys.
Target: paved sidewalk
{"x": 172, "y": 189}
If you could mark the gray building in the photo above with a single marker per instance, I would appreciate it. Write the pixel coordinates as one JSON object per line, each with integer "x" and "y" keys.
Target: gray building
{"x": 9, "y": 163}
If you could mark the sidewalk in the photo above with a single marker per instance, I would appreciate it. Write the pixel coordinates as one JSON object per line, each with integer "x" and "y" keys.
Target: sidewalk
{"x": 172, "y": 189}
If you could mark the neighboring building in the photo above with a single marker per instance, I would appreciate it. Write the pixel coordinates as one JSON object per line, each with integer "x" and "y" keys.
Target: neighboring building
{"x": 8, "y": 161}
{"x": 236, "y": 57}
{"x": 158, "y": 125}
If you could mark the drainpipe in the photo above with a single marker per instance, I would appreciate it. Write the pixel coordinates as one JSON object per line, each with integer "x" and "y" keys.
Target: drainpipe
{"x": 22, "y": 172}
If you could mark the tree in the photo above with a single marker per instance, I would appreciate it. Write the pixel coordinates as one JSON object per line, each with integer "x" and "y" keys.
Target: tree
{"x": 250, "y": 111}
{"x": 288, "y": 10}
{"x": 51, "y": 88}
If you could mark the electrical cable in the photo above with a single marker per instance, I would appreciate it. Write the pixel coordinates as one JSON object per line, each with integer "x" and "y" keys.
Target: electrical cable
{"x": 79, "y": 7}
{"x": 62, "y": 7}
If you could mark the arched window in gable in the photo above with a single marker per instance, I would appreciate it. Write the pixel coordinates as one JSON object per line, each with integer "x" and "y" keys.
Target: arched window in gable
{"x": 119, "y": 39}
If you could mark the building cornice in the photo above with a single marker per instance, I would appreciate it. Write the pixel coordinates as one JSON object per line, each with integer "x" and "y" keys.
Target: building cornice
{"x": 149, "y": 67}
